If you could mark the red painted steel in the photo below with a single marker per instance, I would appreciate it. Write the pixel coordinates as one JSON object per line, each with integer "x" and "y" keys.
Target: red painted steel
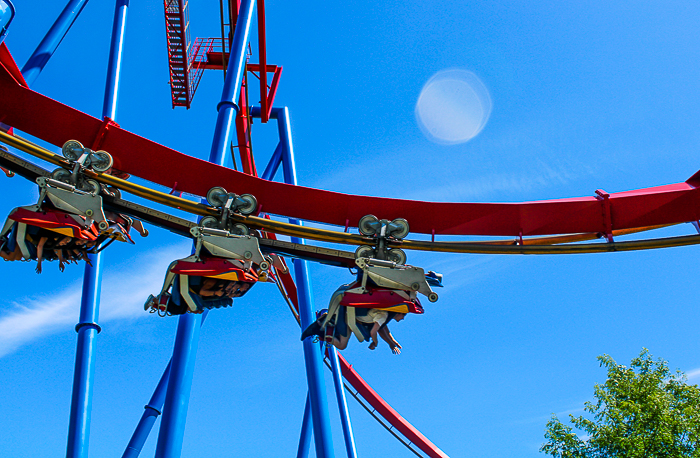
{"x": 56, "y": 123}
{"x": 262, "y": 53}
{"x": 386, "y": 411}
{"x": 243, "y": 134}
{"x": 10, "y": 65}
{"x": 177, "y": 38}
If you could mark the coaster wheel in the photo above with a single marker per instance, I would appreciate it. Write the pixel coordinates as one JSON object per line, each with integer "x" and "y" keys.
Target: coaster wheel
{"x": 240, "y": 229}
{"x": 364, "y": 251}
{"x": 396, "y": 255}
{"x": 399, "y": 228}
{"x": 212, "y": 222}
{"x": 250, "y": 205}
{"x": 368, "y": 225}
{"x": 101, "y": 161}
{"x": 217, "y": 196}
{"x": 91, "y": 186}
{"x": 72, "y": 150}
{"x": 433, "y": 297}
{"x": 61, "y": 175}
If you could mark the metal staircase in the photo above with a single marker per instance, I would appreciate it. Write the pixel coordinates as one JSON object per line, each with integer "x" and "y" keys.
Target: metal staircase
{"x": 185, "y": 72}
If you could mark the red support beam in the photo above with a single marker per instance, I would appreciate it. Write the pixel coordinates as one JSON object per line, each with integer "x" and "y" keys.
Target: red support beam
{"x": 265, "y": 113}
{"x": 56, "y": 123}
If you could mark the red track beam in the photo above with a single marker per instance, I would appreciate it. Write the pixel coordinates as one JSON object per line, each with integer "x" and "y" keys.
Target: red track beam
{"x": 56, "y": 123}
{"x": 263, "y": 63}
{"x": 389, "y": 414}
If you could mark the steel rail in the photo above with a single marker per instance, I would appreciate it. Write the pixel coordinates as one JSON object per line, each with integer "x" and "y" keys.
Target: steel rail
{"x": 564, "y": 244}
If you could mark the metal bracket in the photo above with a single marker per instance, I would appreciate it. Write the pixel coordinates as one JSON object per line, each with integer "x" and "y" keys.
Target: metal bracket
{"x": 223, "y": 244}
{"x": 69, "y": 199}
{"x": 386, "y": 274}
{"x": 382, "y": 232}
{"x": 604, "y": 198}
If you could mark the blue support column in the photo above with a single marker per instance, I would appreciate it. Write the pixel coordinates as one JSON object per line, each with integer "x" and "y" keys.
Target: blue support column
{"x": 53, "y": 38}
{"x": 228, "y": 107}
{"x": 274, "y": 163}
{"x": 114, "y": 66}
{"x": 172, "y": 427}
{"x": 305, "y": 436}
{"x": 7, "y": 12}
{"x": 342, "y": 403}
{"x": 87, "y": 328}
{"x": 152, "y": 411}
{"x": 312, "y": 357}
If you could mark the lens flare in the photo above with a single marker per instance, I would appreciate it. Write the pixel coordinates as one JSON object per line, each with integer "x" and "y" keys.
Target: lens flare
{"x": 453, "y": 107}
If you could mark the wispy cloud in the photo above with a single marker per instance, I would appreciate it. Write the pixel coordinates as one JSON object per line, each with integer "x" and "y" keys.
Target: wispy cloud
{"x": 124, "y": 291}
{"x": 693, "y": 374}
{"x": 539, "y": 176}
{"x": 543, "y": 419}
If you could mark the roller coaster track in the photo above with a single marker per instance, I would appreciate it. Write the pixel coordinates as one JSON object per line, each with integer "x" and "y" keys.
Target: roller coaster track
{"x": 541, "y": 245}
{"x": 56, "y": 123}
{"x": 369, "y": 399}
{"x": 581, "y": 219}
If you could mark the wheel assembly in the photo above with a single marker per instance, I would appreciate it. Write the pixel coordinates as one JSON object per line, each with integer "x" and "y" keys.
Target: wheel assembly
{"x": 212, "y": 222}
{"x": 364, "y": 251}
{"x": 250, "y": 205}
{"x": 217, "y": 196}
{"x": 101, "y": 161}
{"x": 396, "y": 255}
{"x": 72, "y": 150}
{"x": 368, "y": 225}
{"x": 398, "y": 228}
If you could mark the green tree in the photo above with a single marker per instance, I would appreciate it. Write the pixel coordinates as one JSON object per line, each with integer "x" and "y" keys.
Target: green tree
{"x": 643, "y": 411}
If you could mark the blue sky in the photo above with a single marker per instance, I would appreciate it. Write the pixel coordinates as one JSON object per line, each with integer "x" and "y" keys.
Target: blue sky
{"x": 585, "y": 96}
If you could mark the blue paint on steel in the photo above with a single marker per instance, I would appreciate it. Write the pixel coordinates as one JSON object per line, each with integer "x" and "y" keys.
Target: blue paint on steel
{"x": 7, "y": 12}
{"x": 314, "y": 365}
{"x": 87, "y": 328}
{"x": 152, "y": 411}
{"x": 81, "y": 402}
{"x": 274, "y": 163}
{"x": 172, "y": 426}
{"x": 312, "y": 357}
{"x": 53, "y": 38}
{"x": 342, "y": 403}
{"x": 115, "y": 59}
{"x": 228, "y": 107}
{"x": 305, "y": 436}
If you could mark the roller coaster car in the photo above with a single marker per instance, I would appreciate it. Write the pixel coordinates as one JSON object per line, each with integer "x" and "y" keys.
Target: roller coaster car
{"x": 26, "y": 226}
{"x": 197, "y": 283}
{"x": 224, "y": 266}
{"x": 380, "y": 285}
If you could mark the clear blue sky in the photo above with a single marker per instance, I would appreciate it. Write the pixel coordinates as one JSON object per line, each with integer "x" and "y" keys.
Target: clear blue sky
{"x": 586, "y": 95}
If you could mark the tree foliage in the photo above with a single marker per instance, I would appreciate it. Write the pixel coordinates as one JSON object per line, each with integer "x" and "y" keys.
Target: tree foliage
{"x": 641, "y": 411}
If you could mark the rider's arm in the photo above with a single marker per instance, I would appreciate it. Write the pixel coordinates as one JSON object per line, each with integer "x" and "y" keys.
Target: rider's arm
{"x": 373, "y": 333}
{"x": 385, "y": 334}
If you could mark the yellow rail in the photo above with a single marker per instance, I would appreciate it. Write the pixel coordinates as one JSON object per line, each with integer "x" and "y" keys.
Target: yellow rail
{"x": 539, "y": 245}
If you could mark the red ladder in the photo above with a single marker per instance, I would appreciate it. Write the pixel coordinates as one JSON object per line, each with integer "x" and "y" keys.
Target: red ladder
{"x": 184, "y": 77}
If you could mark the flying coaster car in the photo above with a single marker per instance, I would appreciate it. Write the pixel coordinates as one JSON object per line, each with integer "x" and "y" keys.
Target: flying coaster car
{"x": 225, "y": 265}
{"x": 27, "y": 226}
{"x": 384, "y": 282}
{"x": 68, "y": 217}
{"x": 382, "y": 285}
